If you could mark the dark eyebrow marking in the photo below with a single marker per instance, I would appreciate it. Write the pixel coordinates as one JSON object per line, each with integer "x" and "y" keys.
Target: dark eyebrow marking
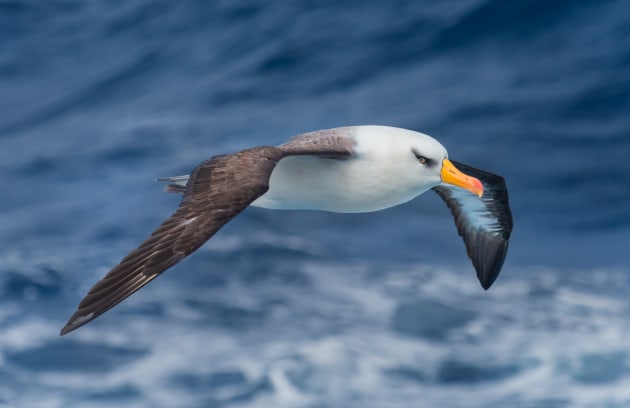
{"x": 429, "y": 161}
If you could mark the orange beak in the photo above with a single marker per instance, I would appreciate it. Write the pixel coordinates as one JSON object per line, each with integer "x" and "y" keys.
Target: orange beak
{"x": 451, "y": 175}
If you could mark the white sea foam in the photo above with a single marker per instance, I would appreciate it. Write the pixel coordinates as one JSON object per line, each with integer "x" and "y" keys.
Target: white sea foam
{"x": 334, "y": 342}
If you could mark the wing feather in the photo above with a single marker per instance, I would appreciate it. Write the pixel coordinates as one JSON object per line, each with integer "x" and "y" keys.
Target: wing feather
{"x": 484, "y": 223}
{"x": 217, "y": 190}
{"x": 202, "y": 213}
{"x": 335, "y": 143}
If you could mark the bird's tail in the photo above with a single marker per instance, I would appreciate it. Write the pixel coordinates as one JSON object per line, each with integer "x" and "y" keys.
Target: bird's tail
{"x": 178, "y": 184}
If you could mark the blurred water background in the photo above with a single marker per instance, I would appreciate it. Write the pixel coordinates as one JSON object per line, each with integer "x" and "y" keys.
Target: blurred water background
{"x": 312, "y": 309}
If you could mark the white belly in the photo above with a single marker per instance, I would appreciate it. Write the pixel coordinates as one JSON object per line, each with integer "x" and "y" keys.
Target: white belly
{"x": 353, "y": 185}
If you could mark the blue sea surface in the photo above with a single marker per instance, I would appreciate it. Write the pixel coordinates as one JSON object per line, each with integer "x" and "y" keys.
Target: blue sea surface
{"x": 304, "y": 308}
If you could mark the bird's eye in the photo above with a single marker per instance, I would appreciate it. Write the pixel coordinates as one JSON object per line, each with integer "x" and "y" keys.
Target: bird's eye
{"x": 422, "y": 159}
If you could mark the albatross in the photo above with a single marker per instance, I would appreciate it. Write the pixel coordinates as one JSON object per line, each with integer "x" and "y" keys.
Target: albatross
{"x": 350, "y": 169}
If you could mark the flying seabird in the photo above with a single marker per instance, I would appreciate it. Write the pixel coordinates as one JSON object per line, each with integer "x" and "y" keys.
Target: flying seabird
{"x": 348, "y": 169}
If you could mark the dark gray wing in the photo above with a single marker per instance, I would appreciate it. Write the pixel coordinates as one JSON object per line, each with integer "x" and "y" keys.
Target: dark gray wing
{"x": 485, "y": 223}
{"x": 217, "y": 190}
{"x": 334, "y": 143}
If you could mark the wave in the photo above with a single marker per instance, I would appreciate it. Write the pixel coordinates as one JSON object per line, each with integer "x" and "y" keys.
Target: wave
{"x": 350, "y": 334}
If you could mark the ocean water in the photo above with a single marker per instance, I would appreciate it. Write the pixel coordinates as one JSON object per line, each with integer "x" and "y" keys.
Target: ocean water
{"x": 303, "y": 308}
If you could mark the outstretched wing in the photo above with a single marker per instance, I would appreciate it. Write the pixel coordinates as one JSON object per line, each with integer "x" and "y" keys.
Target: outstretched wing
{"x": 217, "y": 190}
{"x": 485, "y": 223}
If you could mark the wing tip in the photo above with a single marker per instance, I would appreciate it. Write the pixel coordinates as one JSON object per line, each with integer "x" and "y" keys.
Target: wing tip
{"x": 75, "y": 322}
{"x": 488, "y": 272}
{"x": 487, "y": 278}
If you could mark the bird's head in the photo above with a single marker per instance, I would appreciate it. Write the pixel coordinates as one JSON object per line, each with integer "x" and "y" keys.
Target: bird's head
{"x": 426, "y": 161}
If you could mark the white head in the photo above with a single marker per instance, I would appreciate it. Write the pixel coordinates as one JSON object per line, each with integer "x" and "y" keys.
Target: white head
{"x": 415, "y": 159}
